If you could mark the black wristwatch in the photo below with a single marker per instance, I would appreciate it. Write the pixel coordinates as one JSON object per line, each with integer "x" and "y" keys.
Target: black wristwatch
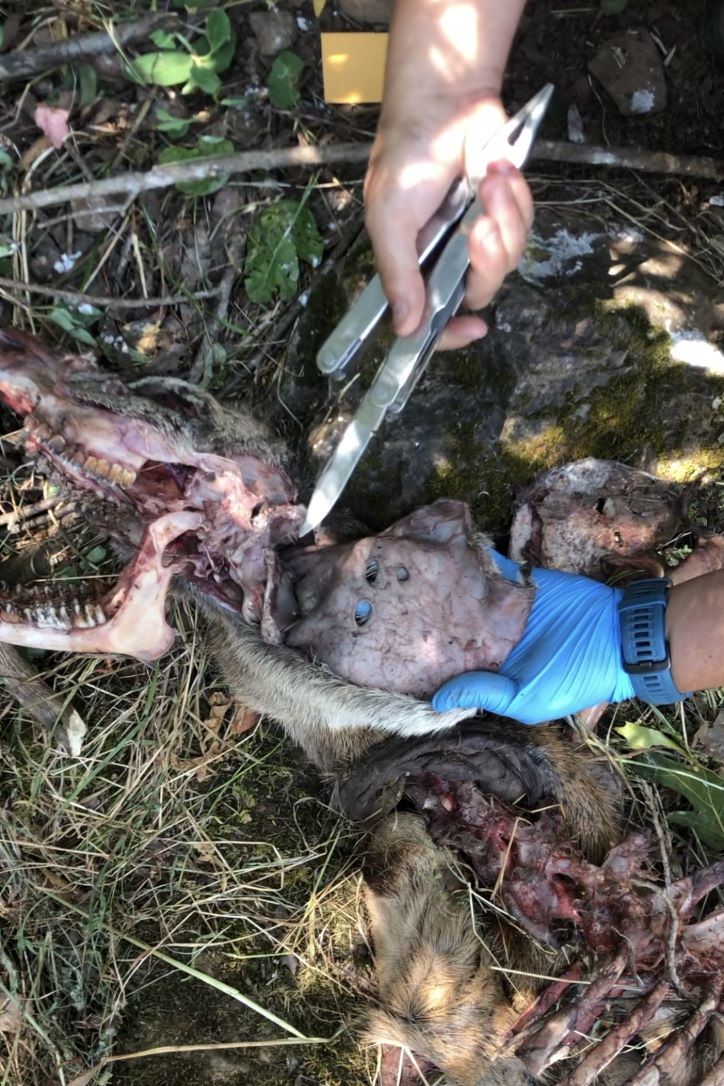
{"x": 646, "y": 659}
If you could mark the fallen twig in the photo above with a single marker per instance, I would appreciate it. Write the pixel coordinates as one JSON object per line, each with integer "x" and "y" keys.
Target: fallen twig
{"x": 160, "y": 177}
{"x": 27, "y": 62}
{"x": 201, "y": 369}
{"x": 628, "y": 158}
{"x": 25, "y": 686}
{"x": 103, "y": 301}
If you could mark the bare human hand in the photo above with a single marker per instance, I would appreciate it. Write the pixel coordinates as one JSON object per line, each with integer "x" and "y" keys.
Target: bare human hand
{"x": 439, "y": 90}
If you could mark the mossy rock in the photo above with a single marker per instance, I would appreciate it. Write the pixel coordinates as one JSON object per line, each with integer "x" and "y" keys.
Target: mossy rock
{"x": 584, "y": 358}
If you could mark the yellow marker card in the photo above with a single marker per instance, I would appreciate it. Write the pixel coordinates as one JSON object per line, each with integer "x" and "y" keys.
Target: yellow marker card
{"x": 353, "y": 66}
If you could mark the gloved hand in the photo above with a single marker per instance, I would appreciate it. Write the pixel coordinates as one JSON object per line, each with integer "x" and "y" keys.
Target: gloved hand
{"x": 568, "y": 658}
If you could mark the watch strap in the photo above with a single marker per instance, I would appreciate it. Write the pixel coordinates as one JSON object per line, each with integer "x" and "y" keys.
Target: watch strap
{"x": 642, "y": 612}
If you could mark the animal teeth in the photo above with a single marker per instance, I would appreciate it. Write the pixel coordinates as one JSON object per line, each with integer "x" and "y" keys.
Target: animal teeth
{"x": 104, "y": 469}
{"x": 121, "y": 475}
{"x": 91, "y": 463}
{"x": 47, "y": 616}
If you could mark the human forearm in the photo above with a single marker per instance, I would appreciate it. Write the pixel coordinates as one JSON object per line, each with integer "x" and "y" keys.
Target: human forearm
{"x": 445, "y": 66}
{"x": 695, "y": 632}
{"x": 461, "y": 47}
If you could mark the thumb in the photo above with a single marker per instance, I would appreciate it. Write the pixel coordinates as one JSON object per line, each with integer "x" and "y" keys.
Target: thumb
{"x": 394, "y": 240}
{"x": 476, "y": 690}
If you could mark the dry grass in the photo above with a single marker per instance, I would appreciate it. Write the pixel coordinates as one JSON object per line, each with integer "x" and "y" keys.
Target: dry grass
{"x": 164, "y": 851}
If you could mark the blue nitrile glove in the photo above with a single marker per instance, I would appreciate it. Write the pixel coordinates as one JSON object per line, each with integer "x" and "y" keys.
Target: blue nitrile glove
{"x": 568, "y": 658}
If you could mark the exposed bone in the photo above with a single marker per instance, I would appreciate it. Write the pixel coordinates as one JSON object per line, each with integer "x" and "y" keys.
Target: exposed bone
{"x": 609, "y": 1048}
{"x": 568, "y": 1026}
{"x": 137, "y": 604}
{"x": 715, "y": 1077}
{"x": 658, "y": 1070}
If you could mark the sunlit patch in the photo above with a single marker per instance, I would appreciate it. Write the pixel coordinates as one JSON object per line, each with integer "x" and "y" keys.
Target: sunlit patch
{"x": 459, "y": 24}
{"x": 694, "y": 349}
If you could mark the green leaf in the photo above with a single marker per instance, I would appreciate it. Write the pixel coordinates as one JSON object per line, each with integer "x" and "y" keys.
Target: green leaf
{"x": 203, "y": 79}
{"x": 215, "y": 58}
{"x": 88, "y": 84}
{"x": 165, "y": 69}
{"x": 284, "y": 234}
{"x": 219, "y": 30}
{"x": 207, "y": 147}
{"x": 96, "y": 555}
{"x": 172, "y": 126}
{"x": 640, "y": 738}
{"x": 703, "y": 789}
{"x": 613, "y": 7}
{"x": 283, "y": 80}
{"x": 70, "y": 324}
{"x": 701, "y": 823}
{"x": 162, "y": 39}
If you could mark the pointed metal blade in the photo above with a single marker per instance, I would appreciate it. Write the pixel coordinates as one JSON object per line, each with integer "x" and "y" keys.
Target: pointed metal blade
{"x": 338, "y": 469}
{"x": 513, "y": 141}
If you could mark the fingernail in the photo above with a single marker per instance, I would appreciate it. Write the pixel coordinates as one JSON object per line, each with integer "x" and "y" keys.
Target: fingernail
{"x": 400, "y": 310}
{"x": 503, "y": 167}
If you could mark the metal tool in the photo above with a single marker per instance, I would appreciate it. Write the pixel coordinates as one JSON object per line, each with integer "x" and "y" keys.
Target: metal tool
{"x": 409, "y": 355}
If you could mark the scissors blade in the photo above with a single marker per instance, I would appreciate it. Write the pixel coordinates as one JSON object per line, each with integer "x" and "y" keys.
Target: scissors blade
{"x": 338, "y": 469}
{"x": 512, "y": 141}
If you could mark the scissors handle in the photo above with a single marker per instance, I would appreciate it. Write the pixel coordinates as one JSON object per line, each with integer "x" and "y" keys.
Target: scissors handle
{"x": 340, "y": 349}
{"x": 445, "y": 292}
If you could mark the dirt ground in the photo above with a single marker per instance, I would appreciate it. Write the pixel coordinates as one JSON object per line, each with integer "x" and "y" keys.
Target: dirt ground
{"x": 175, "y": 832}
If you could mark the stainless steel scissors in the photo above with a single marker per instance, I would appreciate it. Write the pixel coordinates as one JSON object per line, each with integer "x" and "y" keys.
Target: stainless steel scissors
{"x": 409, "y": 355}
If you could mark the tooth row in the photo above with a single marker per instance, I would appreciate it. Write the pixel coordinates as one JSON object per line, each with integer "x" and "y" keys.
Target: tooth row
{"x": 107, "y": 470}
{"x": 58, "y": 616}
{"x": 95, "y": 465}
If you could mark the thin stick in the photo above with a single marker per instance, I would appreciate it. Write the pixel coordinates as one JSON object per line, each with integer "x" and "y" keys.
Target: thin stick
{"x": 51, "y": 711}
{"x": 27, "y": 62}
{"x": 200, "y": 373}
{"x": 168, "y": 1050}
{"x": 161, "y": 177}
{"x": 76, "y": 297}
{"x": 628, "y": 158}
